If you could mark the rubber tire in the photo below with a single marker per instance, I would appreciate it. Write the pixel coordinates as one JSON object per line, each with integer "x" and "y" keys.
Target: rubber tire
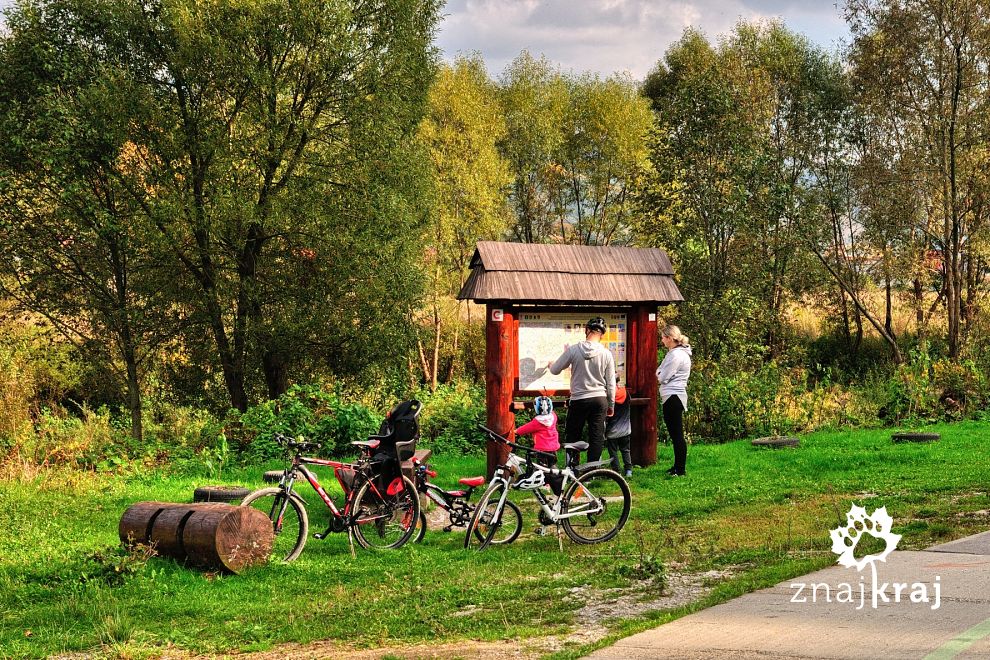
{"x": 272, "y": 476}
{"x": 220, "y": 493}
{"x": 420, "y": 527}
{"x": 915, "y": 437}
{"x": 296, "y": 507}
{"x": 587, "y": 478}
{"x": 494, "y": 491}
{"x": 409, "y": 494}
{"x": 776, "y": 442}
{"x": 507, "y": 520}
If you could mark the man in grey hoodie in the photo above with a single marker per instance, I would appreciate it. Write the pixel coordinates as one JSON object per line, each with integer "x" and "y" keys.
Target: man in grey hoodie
{"x": 592, "y": 387}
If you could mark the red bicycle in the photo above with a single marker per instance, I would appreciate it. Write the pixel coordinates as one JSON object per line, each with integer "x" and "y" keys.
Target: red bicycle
{"x": 377, "y": 515}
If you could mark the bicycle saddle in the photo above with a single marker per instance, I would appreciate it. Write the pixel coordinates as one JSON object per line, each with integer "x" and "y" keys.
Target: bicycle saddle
{"x": 472, "y": 482}
{"x": 370, "y": 444}
{"x": 577, "y": 446}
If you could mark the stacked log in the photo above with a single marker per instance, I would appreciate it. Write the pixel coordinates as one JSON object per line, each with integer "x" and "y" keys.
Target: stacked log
{"x": 211, "y": 536}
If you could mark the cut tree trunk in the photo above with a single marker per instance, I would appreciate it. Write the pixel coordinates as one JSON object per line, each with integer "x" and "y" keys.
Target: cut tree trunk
{"x": 211, "y": 536}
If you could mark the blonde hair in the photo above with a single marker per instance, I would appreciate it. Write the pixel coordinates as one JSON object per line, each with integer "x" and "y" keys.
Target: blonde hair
{"x": 675, "y": 333}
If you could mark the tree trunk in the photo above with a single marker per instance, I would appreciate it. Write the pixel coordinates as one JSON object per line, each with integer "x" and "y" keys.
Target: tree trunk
{"x": 276, "y": 368}
{"x": 134, "y": 403}
{"x": 919, "y": 307}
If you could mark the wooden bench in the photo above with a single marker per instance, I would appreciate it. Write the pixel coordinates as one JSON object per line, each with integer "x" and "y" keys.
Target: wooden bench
{"x": 421, "y": 455}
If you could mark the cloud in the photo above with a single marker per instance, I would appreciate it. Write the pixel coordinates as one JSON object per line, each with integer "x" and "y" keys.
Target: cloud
{"x": 607, "y": 36}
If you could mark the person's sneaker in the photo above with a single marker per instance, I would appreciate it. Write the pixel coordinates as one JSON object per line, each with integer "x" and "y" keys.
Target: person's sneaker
{"x": 671, "y": 472}
{"x": 628, "y": 473}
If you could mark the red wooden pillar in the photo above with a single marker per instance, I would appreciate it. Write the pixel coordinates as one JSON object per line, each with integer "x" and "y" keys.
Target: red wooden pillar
{"x": 643, "y": 383}
{"x": 500, "y": 350}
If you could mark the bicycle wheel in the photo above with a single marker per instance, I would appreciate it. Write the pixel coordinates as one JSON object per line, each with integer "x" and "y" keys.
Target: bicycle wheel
{"x": 510, "y": 527}
{"x": 605, "y": 496}
{"x": 420, "y": 527}
{"x": 291, "y": 530}
{"x": 382, "y": 520}
{"x": 483, "y": 524}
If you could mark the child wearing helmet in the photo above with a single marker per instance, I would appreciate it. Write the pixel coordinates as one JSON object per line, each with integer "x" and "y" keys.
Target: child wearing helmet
{"x": 543, "y": 428}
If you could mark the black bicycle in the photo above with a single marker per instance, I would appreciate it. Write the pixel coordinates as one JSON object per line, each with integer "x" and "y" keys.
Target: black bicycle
{"x": 377, "y": 515}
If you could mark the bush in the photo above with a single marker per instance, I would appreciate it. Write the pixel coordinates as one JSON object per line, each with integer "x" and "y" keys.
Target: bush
{"x": 305, "y": 410}
{"x": 450, "y": 418}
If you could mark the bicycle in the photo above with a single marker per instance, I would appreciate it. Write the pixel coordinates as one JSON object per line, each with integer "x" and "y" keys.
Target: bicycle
{"x": 591, "y": 501}
{"x": 378, "y": 518}
{"x": 458, "y": 507}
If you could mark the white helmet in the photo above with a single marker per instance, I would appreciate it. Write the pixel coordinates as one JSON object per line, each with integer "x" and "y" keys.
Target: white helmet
{"x": 531, "y": 482}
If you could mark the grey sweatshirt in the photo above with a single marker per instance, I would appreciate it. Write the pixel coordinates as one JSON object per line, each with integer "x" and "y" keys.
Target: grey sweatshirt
{"x": 673, "y": 374}
{"x": 592, "y": 371}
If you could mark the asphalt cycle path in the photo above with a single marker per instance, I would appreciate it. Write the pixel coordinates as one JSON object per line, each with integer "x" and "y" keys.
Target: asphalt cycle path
{"x": 932, "y": 604}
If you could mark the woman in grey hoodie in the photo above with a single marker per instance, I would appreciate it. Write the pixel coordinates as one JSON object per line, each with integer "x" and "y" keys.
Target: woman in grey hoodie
{"x": 672, "y": 375}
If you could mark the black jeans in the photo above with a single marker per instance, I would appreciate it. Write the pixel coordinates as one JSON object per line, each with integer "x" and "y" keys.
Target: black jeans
{"x": 673, "y": 417}
{"x": 618, "y": 446}
{"x": 592, "y": 412}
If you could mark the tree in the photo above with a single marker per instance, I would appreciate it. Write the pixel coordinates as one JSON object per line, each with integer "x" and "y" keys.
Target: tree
{"x": 604, "y": 152}
{"x": 269, "y": 139}
{"x": 73, "y": 246}
{"x": 461, "y": 131}
{"x": 921, "y": 69}
{"x": 535, "y": 98}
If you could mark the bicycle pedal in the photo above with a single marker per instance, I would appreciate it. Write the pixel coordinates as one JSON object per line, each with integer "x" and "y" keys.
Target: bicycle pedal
{"x": 319, "y": 536}
{"x": 448, "y": 528}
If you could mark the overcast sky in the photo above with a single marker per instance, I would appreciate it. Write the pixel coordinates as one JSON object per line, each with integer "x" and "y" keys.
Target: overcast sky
{"x": 612, "y": 35}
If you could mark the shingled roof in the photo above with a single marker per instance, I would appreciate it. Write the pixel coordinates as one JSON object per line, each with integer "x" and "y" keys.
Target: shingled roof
{"x": 531, "y": 273}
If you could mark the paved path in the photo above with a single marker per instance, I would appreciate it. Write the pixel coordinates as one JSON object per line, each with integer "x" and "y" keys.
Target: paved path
{"x": 767, "y": 625}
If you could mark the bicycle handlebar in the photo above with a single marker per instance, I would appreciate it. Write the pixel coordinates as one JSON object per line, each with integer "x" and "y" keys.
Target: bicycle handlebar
{"x": 292, "y": 443}
{"x": 496, "y": 437}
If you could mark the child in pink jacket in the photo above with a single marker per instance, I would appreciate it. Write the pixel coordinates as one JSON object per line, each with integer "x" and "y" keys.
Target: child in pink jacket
{"x": 543, "y": 427}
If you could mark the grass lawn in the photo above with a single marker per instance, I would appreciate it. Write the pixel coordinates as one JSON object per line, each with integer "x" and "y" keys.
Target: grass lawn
{"x": 762, "y": 514}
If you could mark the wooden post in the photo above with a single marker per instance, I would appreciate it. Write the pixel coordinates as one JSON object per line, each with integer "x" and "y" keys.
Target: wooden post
{"x": 643, "y": 381}
{"x": 500, "y": 351}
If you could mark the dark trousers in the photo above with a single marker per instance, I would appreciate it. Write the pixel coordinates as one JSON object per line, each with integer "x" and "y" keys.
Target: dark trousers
{"x": 592, "y": 412}
{"x": 618, "y": 446}
{"x": 673, "y": 417}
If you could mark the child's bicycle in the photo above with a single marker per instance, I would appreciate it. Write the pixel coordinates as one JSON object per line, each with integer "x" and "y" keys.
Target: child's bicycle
{"x": 591, "y": 502}
{"x": 458, "y": 507}
{"x": 377, "y": 516}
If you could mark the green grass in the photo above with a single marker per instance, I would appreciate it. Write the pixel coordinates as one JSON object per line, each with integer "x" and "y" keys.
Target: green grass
{"x": 764, "y": 513}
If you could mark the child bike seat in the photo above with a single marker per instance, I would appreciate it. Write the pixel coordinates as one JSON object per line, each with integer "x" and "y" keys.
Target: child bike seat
{"x": 471, "y": 482}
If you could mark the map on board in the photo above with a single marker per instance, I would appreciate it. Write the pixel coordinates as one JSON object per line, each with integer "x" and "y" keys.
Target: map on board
{"x": 543, "y": 336}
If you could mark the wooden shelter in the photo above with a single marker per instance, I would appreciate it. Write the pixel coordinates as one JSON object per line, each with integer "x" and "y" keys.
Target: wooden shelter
{"x": 538, "y": 298}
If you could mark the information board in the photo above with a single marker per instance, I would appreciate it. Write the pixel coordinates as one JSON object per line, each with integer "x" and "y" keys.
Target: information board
{"x": 544, "y": 336}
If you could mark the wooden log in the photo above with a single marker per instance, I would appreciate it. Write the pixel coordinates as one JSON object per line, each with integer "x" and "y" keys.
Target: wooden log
{"x": 208, "y": 535}
{"x": 230, "y": 538}
{"x": 166, "y": 533}
{"x": 136, "y": 523}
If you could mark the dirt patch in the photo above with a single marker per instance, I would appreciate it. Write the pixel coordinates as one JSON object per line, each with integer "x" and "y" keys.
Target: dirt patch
{"x": 599, "y": 607}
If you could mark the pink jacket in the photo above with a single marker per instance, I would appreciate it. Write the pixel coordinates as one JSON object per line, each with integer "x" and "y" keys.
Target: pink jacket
{"x": 544, "y": 435}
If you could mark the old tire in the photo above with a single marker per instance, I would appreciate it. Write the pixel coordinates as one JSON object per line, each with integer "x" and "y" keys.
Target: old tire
{"x": 915, "y": 437}
{"x": 776, "y": 441}
{"x": 219, "y": 493}
{"x": 272, "y": 476}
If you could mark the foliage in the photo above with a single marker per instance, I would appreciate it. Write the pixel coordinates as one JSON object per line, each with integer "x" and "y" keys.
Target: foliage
{"x": 304, "y": 410}
{"x": 450, "y": 418}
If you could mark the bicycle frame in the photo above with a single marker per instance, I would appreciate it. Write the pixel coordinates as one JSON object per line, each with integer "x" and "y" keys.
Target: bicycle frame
{"x": 342, "y": 517}
{"x": 455, "y": 503}
{"x": 511, "y": 466}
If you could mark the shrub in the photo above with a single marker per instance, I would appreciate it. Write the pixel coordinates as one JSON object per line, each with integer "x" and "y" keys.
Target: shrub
{"x": 450, "y": 418}
{"x": 305, "y": 410}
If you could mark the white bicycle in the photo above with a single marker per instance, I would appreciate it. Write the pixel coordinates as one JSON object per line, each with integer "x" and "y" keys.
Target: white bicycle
{"x": 590, "y": 501}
